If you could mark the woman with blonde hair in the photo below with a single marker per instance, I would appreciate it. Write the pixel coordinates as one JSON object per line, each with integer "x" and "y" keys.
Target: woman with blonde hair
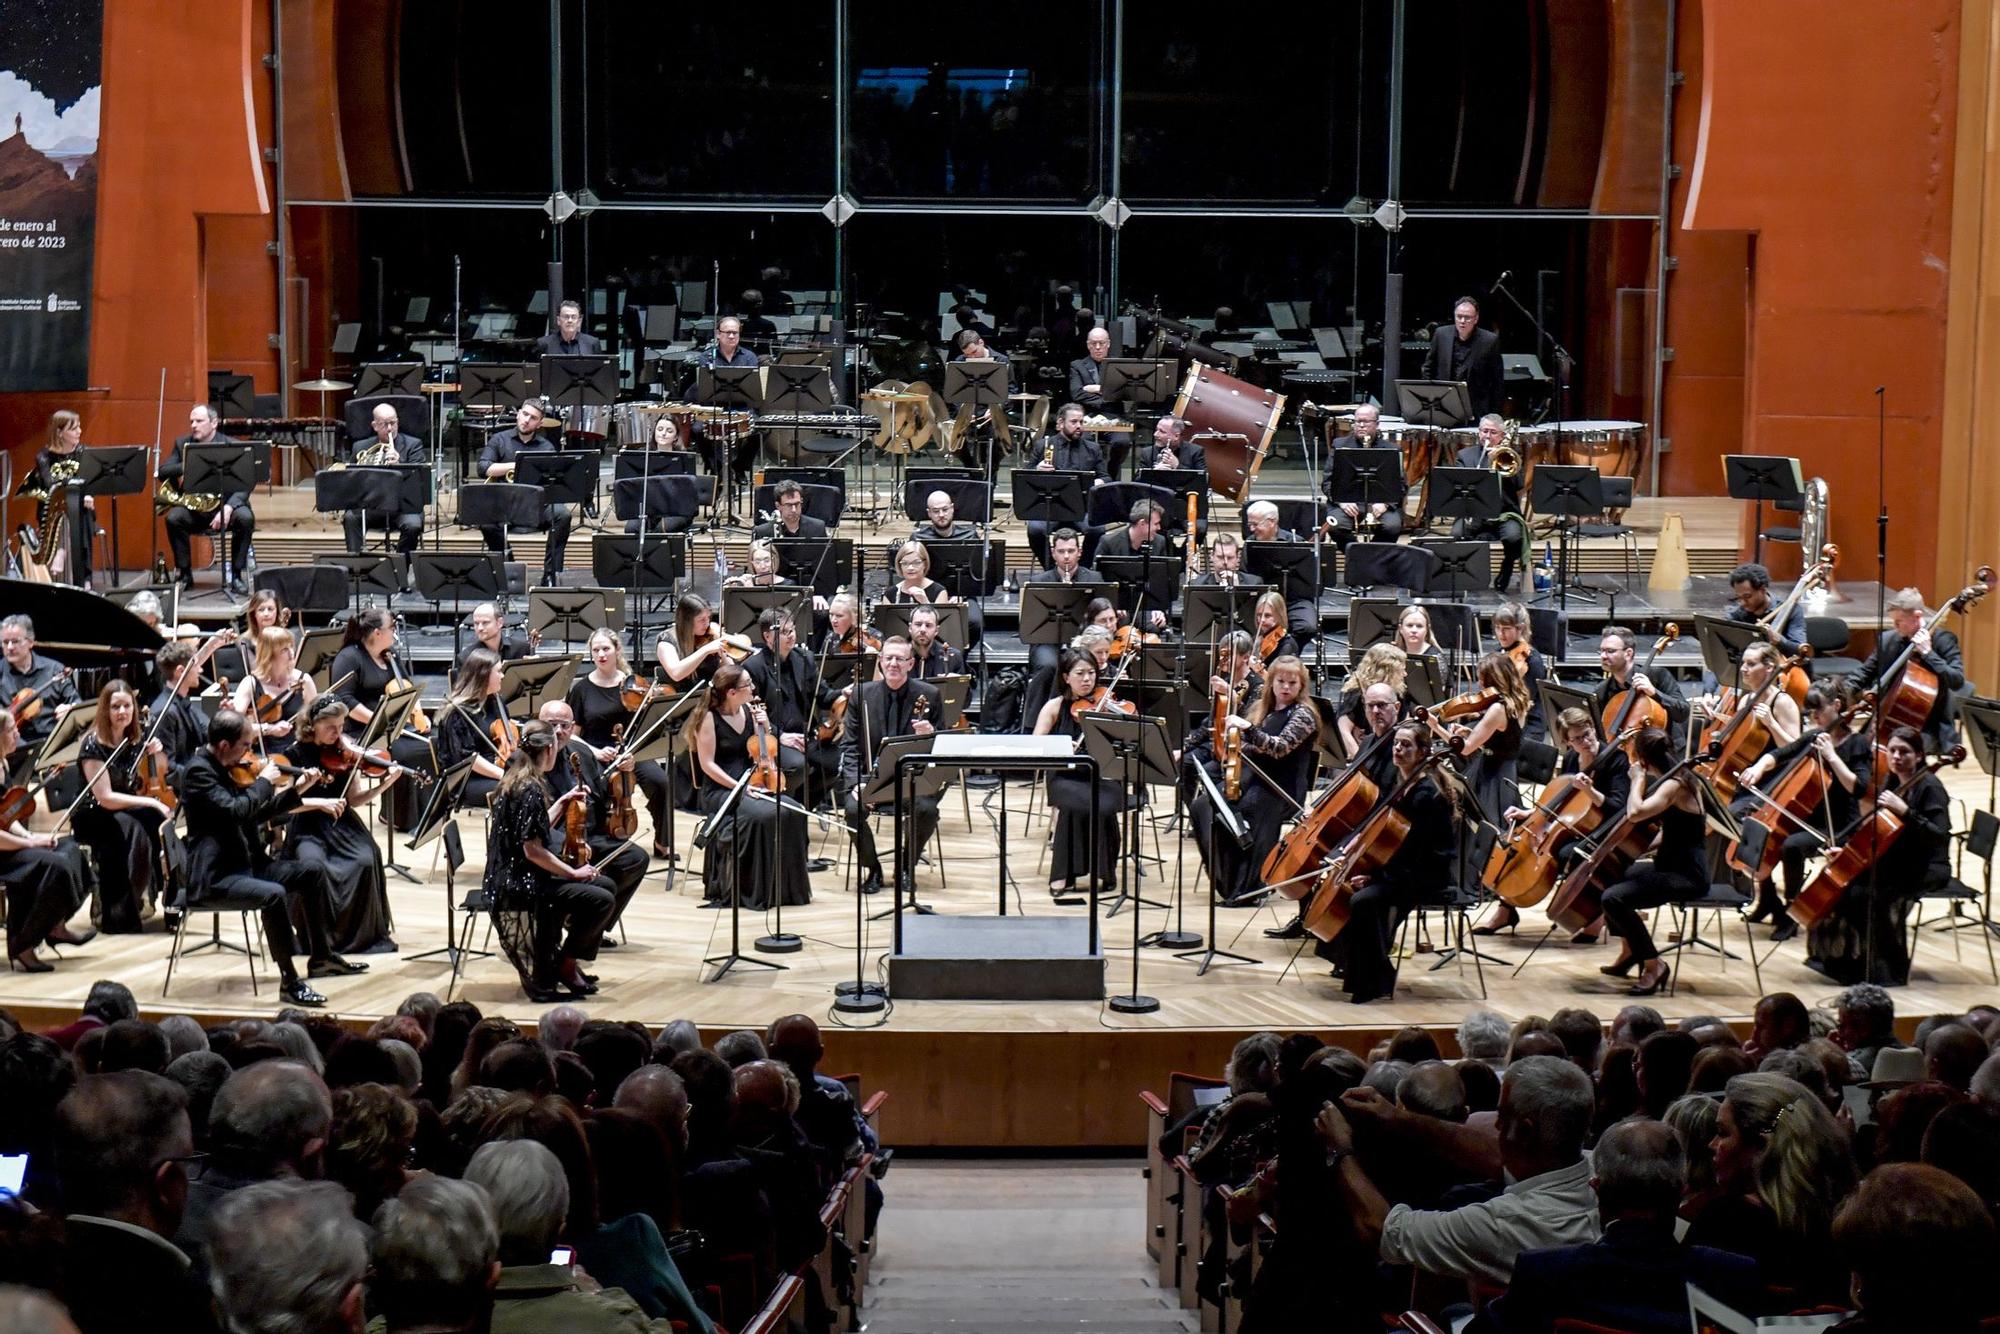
{"x": 1413, "y": 632}
{"x": 1277, "y": 733}
{"x": 1382, "y": 664}
{"x": 275, "y": 687}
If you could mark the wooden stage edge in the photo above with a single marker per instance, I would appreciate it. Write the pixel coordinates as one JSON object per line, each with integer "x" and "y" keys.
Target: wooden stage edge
{"x": 982, "y": 1074}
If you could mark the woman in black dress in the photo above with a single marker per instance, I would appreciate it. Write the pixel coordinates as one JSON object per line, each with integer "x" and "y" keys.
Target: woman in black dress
{"x": 43, "y": 877}
{"x": 597, "y": 698}
{"x": 1677, "y": 870}
{"x": 913, "y": 583}
{"x": 1070, "y": 794}
{"x": 1273, "y": 639}
{"x": 1493, "y": 742}
{"x": 275, "y": 689}
{"x": 690, "y": 651}
{"x": 120, "y": 827}
{"x": 363, "y": 672}
{"x": 1278, "y": 731}
{"x": 263, "y": 611}
{"x": 359, "y": 906}
{"x": 764, "y": 844}
{"x": 469, "y": 727}
{"x": 525, "y": 874}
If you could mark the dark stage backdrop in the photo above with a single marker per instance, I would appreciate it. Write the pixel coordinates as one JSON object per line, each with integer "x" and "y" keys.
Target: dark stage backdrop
{"x": 51, "y": 54}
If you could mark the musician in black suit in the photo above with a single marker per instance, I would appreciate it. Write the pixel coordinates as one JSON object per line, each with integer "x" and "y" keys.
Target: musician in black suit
{"x": 1936, "y": 649}
{"x": 177, "y": 721}
{"x": 785, "y": 676}
{"x": 489, "y": 629}
{"x": 228, "y": 859}
{"x": 568, "y": 338}
{"x": 231, "y": 517}
{"x": 882, "y": 709}
{"x": 1067, "y": 567}
{"x": 1260, "y": 517}
{"x": 1468, "y": 353}
{"x": 1086, "y": 373}
{"x": 1065, "y": 449}
{"x": 1507, "y": 529}
{"x": 1618, "y": 651}
{"x": 1347, "y": 516}
{"x": 1225, "y": 565}
{"x": 496, "y": 464}
{"x": 792, "y": 521}
{"x": 1172, "y": 449}
{"x": 1140, "y": 537}
{"x": 618, "y": 861}
{"x": 389, "y": 444}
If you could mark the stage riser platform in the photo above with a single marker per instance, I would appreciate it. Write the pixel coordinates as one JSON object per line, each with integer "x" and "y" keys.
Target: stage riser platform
{"x": 996, "y": 959}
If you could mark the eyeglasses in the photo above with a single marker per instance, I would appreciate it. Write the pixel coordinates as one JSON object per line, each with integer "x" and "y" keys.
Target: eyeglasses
{"x": 194, "y": 1164}
{"x": 562, "y": 727}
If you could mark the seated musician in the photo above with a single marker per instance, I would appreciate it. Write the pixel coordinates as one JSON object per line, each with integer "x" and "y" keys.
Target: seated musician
{"x": 275, "y": 689}
{"x": 1065, "y": 551}
{"x": 227, "y": 857}
{"x": 1142, "y": 536}
{"x": 1346, "y": 516}
{"x": 114, "y": 818}
{"x": 1273, "y": 641}
{"x": 1237, "y": 670}
{"x": 691, "y": 648}
{"x": 880, "y": 709}
{"x": 473, "y": 725}
{"x": 786, "y": 677}
{"x": 177, "y": 721}
{"x": 389, "y": 445}
{"x": 232, "y": 516}
{"x": 568, "y": 339}
{"x": 1086, "y": 373}
{"x": 43, "y": 877}
{"x": 726, "y": 351}
{"x": 1676, "y": 871}
{"x": 618, "y": 860}
{"x": 1413, "y": 632}
{"x": 941, "y": 521}
{"x": 1277, "y": 731}
{"x": 56, "y": 462}
{"x": 363, "y": 672}
{"x": 1511, "y": 629}
{"x": 38, "y": 691}
{"x": 1937, "y": 649}
{"x": 1070, "y": 795}
{"x": 358, "y": 891}
{"x": 489, "y": 631}
{"x": 934, "y": 657}
{"x": 1420, "y": 866}
{"x": 1173, "y": 451}
{"x": 762, "y": 570}
{"x": 1066, "y": 449}
{"x": 1751, "y": 583}
{"x": 1494, "y": 741}
{"x": 1617, "y": 651}
{"x": 598, "y": 699}
{"x": 1507, "y": 528}
{"x": 791, "y": 520}
{"x": 1829, "y": 740}
{"x": 1917, "y": 863}
{"x": 1606, "y": 769}
{"x": 239, "y": 659}
{"x": 1759, "y": 694}
{"x": 1225, "y": 565}
{"x": 525, "y": 873}
{"x": 666, "y": 439}
{"x": 1260, "y": 518}
{"x": 497, "y": 464}
{"x": 1382, "y": 664}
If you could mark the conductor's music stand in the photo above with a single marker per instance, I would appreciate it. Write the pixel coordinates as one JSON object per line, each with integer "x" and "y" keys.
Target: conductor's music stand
{"x": 461, "y": 577}
{"x": 1761, "y": 477}
{"x": 1569, "y": 492}
{"x": 1434, "y": 402}
{"x": 1137, "y": 751}
{"x": 571, "y": 610}
{"x": 112, "y": 470}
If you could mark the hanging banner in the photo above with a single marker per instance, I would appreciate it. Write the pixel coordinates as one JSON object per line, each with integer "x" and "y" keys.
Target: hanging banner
{"x": 51, "y": 56}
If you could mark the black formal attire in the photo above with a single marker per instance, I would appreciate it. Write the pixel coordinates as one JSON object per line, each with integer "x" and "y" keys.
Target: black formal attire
{"x": 770, "y": 530}
{"x": 362, "y": 683}
{"x": 44, "y": 680}
{"x": 125, "y": 844}
{"x": 623, "y": 864}
{"x": 411, "y": 451}
{"x": 875, "y": 714}
{"x": 1389, "y": 527}
{"x": 551, "y": 344}
{"x": 1042, "y": 658}
{"x": 1117, "y": 544}
{"x": 1080, "y": 455}
{"x": 1490, "y": 770}
{"x": 1944, "y": 659}
{"x": 183, "y": 523}
{"x": 357, "y": 888}
{"x": 1533, "y": 674}
{"x": 507, "y": 447}
{"x": 1277, "y": 766}
{"x": 1475, "y": 361}
{"x": 935, "y": 594}
{"x": 1667, "y": 695}
{"x": 598, "y": 709}
{"x": 744, "y": 448}
{"x": 1791, "y": 635}
{"x": 1676, "y": 872}
{"x": 1188, "y": 457}
{"x": 1070, "y": 798}
{"x": 569, "y": 915}
{"x": 81, "y": 529}
{"x": 655, "y": 521}
{"x": 1917, "y": 863}
{"x": 1086, "y": 371}
{"x": 120, "y": 1277}
{"x": 942, "y": 660}
{"x": 512, "y": 648}
{"x": 227, "y": 857}
{"x": 786, "y": 685}
{"x": 760, "y": 843}
{"x": 1421, "y": 866}
{"x": 43, "y": 888}
{"x": 181, "y": 729}
{"x": 1835, "y": 813}
{"x": 958, "y": 532}
{"x": 1507, "y": 530}
{"x": 464, "y": 732}
{"x": 1635, "y": 1277}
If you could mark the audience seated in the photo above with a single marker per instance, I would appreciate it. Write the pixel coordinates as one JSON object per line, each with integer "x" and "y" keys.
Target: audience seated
{"x": 288, "y": 1255}
{"x": 269, "y": 1122}
{"x": 1954, "y": 1054}
{"x": 435, "y": 1258}
{"x": 1910, "y": 1238}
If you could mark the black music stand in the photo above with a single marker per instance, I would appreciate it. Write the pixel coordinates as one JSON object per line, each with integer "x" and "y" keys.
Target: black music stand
{"x": 892, "y": 619}
{"x": 377, "y": 379}
{"x": 573, "y": 609}
{"x": 529, "y": 682}
{"x": 965, "y": 568}
{"x": 232, "y": 395}
{"x": 1136, "y": 380}
{"x": 798, "y": 389}
{"x": 1460, "y": 566}
{"x": 316, "y": 652}
{"x": 493, "y": 386}
{"x": 743, "y": 607}
{"x": 565, "y": 478}
{"x": 1295, "y": 569}
{"x": 461, "y": 577}
{"x": 663, "y": 495}
{"x": 579, "y": 382}
{"x": 648, "y": 560}
{"x": 222, "y": 469}
{"x": 113, "y": 470}
{"x": 1226, "y": 824}
{"x": 729, "y": 388}
{"x": 1472, "y": 494}
{"x": 1055, "y": 496}
{"x": 817, "y": 563}
{"x": 1434, "y": 402}
{"x": 1569, "y": 492}
{"x": 1373, "y": 565}
{"x": 1556, "y": 697}
{"x": 367, "y": 572}
{"x": 503, "y": 505}
{"x": 1226, "y": 609}
{"x": 1761, "y": 477}
{"x": 1456, "y": 631}
{"x": 1182, "y": 482}
{"x": 1364, "y": 477}
{"x": 1138, "y": 751}
{"x": 638, "y": 461}
{"x": 971, "y": 497}
{"x": 439, "y": 818}
{"x": 1156, "y": 579}
{"x": 1370, "y": 621}
{"x": 1722, "y": 643}
{"x": 1053, "y": 613}
{"x": 1424, "y": 682}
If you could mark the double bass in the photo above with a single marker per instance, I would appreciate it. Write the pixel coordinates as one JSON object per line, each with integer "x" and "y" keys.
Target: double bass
{"x": 1909, "y": 690}
{"x": 1859, "y": 848}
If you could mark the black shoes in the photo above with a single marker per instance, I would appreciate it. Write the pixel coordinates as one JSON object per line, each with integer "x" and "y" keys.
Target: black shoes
{"x": 1293, "y": 930}
{"x": 295, "y": 990}
{"x": 334, "y": 966}
{"x": 873, "y": 884}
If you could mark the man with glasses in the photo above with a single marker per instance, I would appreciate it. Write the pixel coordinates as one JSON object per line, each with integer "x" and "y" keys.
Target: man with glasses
{"x": 884, "y": 708}
{"x": 389, "y": 445}
{"x": 36, "y": 689}
{"x": 628, "y": 867}
{"x": 568, "y": 338}
{"x": 791, "y": 520}
{"x": 1469, "y": 354}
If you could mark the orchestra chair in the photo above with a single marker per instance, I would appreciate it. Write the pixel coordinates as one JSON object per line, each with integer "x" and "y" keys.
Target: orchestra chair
{"x": 1976, "y": 836}
{"x": 1725, "y": 901}
{"x": 1454, "y": 902}
{"x": 173, "y": 853}
{"x": 1779, "y": 532}
{"x": 1617, "y": 498}
{"x": 1828, "y": 636}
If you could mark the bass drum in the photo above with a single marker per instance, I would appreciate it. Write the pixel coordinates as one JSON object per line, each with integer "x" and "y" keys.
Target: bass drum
{"x": 1239, "y": 419}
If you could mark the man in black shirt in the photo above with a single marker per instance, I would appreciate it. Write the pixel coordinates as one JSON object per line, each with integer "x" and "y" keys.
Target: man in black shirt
{"x": 879, "y": 710}
{"x": 176, "y": 720}
{"x": 1086, "y": 373}
{"x": 1467, "y": 353}
{"x": 489, "y": 629}
{"x": 934, "y": 657}
{"x": 1067, "y": 567}
{"x": 1171, "y": 449}
{"x": 1066, "y": 449}
{"x": 627, "y": 867}
{"x": 941, "y": 522}
{"x": 390, "y": 446}
{"x": 496, "y": 464}
{"x": 1618, "y": 652}
{"x": 43, "y": 680}
{"x": 785, "y": 675}
{"x": 1140, "y": 537}
{"x": 791, "y": 521}
{"x": 568, "y": 338}
{"x": 1751, "y": 583}
{"x": 232, "y": 516}
{"x": 728, "y": 349}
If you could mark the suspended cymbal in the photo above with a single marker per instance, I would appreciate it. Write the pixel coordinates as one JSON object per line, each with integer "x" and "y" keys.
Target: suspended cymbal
{"x": 322, "y": 386}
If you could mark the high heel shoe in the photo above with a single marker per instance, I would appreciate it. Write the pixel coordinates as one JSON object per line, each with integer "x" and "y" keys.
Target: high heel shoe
{"x": 1505, "y": 917}
{"x": 28, "y": 963}
{"x": 1622, "y": 968}
{"x": 1653, "y": 988}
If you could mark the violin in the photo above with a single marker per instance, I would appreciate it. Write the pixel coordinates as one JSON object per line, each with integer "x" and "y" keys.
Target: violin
{"x": 738, "y": 647}
{"x": 1472, "y": 704}
{"x": 576, "y": 820}
{"x": 1628, "y": 708}
{"x": 344, "y": 756}
{"x": 1099, "y": 700}
{"x": 1859, "y": 848}
{"x": 1910, "y": 690}
{"x": 505, "y": 734}
{"x": 635, "y": 692}
{"x": 245, "y": 771}
{"x": 1129, "y": 638}
{"x": 26, "y": 705}
{"x": 621, "y": 820}
{"x": 763, "y": 751}
{"x": 271, "y": 708}
{"x": 1267, "y": 645}
{"x": 17, "y": 804}
{"x": 858, "y": 639}
{"x": 1518, "y": 653}
{"x": 154, "y": 771}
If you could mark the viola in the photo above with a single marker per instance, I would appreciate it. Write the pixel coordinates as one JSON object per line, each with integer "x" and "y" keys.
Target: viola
{"x": 1517, "y": 653}
{"x": 154, "y": 772}
{"x": 1628, "y": 708}
{"x": 1128, "y": 638}
{"x": 576, "y": 820}
{"x": 1910, "y": 690}
{"x": 1859, "y": 849}
{"x": 505, "y": 734}
{"x": 834, "y": 719}
{"x": 621, "y": 819}
{"x": 763, "y": 751}
{"x": 26, "y": 704}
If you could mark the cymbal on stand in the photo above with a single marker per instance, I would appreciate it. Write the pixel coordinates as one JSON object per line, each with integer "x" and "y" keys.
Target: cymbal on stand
{"x": 322, "y": 386}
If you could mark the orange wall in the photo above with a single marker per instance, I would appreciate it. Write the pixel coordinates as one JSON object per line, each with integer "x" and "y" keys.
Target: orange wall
{"x": 1825, "y": 130}
{"x": 183, "y": 216}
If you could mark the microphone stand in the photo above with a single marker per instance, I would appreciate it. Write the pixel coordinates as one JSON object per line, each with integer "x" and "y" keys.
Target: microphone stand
{"x": 1877, "y": 723}
{"x": 1560, "y": 354}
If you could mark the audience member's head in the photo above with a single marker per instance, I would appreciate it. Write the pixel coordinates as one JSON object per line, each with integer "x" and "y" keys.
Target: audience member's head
{"x": 423, "y": 1007}
{"x": 1413, "y": 1044}
{"x": 1639, "y": 1171}
{"x": 635, "y": 1169}
{"x": 1617, "y": 1083}
{"x": 1714, "y": 1067}
{"x": 529, "y": 1195}
{"x": 201, "y": 1075}
{"x": 122, "y": 1141}
{"x": 611, "y": 1052}
{"x": 1636, "y": 1023}
{"x": 486, "y": 1034}
{"x": 741, "y": 1047}
{"x": 554, "y": 1124}
{"x": 1253, "y": 1064}
{"x": 1799, "y": 1066}
{"x": 1780, "y": 1020}
{"x": 679, "y": 1036}
{"x": 1483, "y": 1036}
{"x": 1775, "y": 1139}
{"x": 711, "y": 1091}
{"x": 436, "y": 1257}
{"x": 1864, "y": 1016}
{"x": 1835, "y": 1070}
{"x": 1713, "y": 1034}
{"x": 1482, "y": 1086}
{"x": 183, "y": 1035}
{"x": 1665, "y": 1060}
{"x": 657, "y": 1094}
{"x": 574, "y": 1080}
{"x": 1911, "y": 1236}
{"x": 1693, "y": 1121}
{"x": 272, "y": 1120}
{"x": 795, "y": 1040}
{"x": 359, "y": 1061}
{"x": 108, "y": 1002}
{"x": 407, "y": 1062}
{"x": 35, "y": 1074}
{"x": 463, "y": 1121}
{"x": 1930, "y": 1024}
{"x": 1964, "y": 1140}
{"x": 1986, "y": 1081}
{"x": 1903, "y": 1115}
{"x": 1386, "y": 1078}
{"x": 1545, "y": 1113}
{"x": 557, "y": 1028}
{"x": 287, "y": 1256}
{"x": 1582, "y": 1035}
{"x": 368, "y": 1147}
{"x": 1954, "y": 1054}
{"x": 1526, "y": 1024}
{"x": 299, "y": 1046}
{"x": 1537, "y": 1042}
{"x": 519, "y": 1065}
{"x": 765, "y": 1100}
{"x": 1434, "y": 1089}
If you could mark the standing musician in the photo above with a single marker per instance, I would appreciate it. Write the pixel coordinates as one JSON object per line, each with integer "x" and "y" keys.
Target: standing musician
{"x": 567, "y": 339}
{"x": 1382, "y": 664}
{"x": 119, "y": 826}
{"x": 525, "y": 872}
{"x": 1086, "y": 373}
{"x": 227, "y": 858}
{"x": 762, "y": 841}
{"x": 389, "y": 445}
{"x": 598, "y": 699}
{"x": 473, "y": 725}
{"x": 1936, "y": 649}
{"x": 1172, "y": 450}
{"x": 178, "y": 723}
{"x": 1676, "y": 871}
{"x": 941, "y": 521}
{"x": 1346, "y": 515}
{"x": 232, "y": 516}
{"x": 1277, "y": 731}
{"x": 364, "y": 670}
{"x": 1225, "y": 565}
{"x": 1070, "y": 794}
{"x": 1605, "y": 770}
{"x": 691, "y": 650}
{"x": 934, "y": 657}
{"x": 275, "y": 686}
{"x": 56, "y": 463}
{"x": 791, "y": 519}
{"x": 38, "y": 691}
{"x": 489, "y": 631}
{"x": 1420, "y": 866}
{"x": 1617, "y": 651}
{"x": 1511, "y": 629}
{"x": 1139, "y": 537}
{"x": 1506, "y": 529}
{"x": 1467, "y": 353}
{"x": 618, "y": 860}
{"x": 666, "y": 439}
{"x": 785, "y": 677}
{"x": 357, "y": 889}
{"x": 1494, "y": 741}
{"x": 1829, "y": 740}
{"x": 1065, "y": 550}
{"x": 497, "y": 463}
{"x": 1066, "y": 449}
{"x": 1916, "y": 864}
{"x": 1751, "y": 583}
{"x": 43, "y": 878}
{"x": 881, "y": 709}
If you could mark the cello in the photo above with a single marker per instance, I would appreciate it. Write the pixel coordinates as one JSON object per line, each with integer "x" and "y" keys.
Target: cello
{"x": 1860, "y": 847}
{"x": 1331, "y": 817}
{"x": 1796, "y": 794}
{"x": 1579, "y": 899}
{"x": 1375, "y": 841}
{"x": 1524, "y": 867}
{"x": 1729, "y": 747}
{"x": 1909, "y": 690}
{"x": 1628, "y": 708}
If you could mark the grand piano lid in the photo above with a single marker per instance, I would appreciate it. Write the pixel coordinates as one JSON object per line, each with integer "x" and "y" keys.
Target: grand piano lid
{"x": 76, "y": 628}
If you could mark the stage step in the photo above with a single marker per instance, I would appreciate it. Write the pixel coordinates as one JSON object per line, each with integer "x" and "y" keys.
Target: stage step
{"x": 957, "y": 957}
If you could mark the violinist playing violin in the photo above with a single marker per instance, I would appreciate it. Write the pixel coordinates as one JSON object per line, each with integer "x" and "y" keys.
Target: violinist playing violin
{"x": 880, "y": 709}
{"x": 690, "y": 651}
{"x": 43, "y": 877}
{"x": 934, "y": 657}
{"x": 178, "y": 723}
{"x": 621, "y": 863}
{"x": 1070, "y": 794}
{"x": 357, "y": 889}
{"x": 1511, "y": 630}
{"x": 1751, "y": 583}
{"x": 1618, "y": 651}
{"x": 275, "y": 688}
{"x": 569, "y": 905}
{"x": 1493, "y": 741}
{"x": 119, "y": 824}
{"x": 1277, "y": 732}
{"x": 1936, "y": 649}
{"x": 1917, "y": 863}
{"x": 1607, "y": 770}
{"x": 474, "y": 726}
{"x": 758, "y": 849}
{"x": 1274, "y": 640}
{"x": 1831, "y": 741}
{"x": 1236, "y": 671}
{"x": 607, "y": 697}
{"x": 784, "y": 675}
